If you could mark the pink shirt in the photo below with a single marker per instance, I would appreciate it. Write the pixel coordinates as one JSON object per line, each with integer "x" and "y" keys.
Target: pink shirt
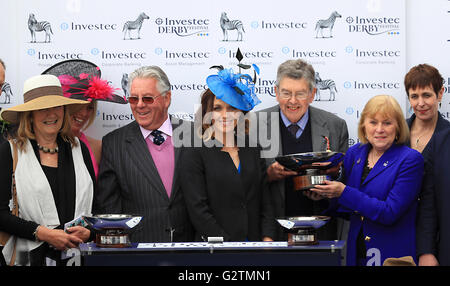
{"x": 163, "y": 155}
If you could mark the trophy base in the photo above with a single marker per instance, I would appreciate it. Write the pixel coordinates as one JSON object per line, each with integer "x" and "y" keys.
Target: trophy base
{"x": 306, "y": 182}
{"x": 112, "y": 240}
{"x": 303, "y": 236}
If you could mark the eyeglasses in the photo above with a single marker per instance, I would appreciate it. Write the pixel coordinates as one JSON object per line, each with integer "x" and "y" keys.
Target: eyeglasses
{"x": 145, "y": 99}
{"x": 298, "y": 96}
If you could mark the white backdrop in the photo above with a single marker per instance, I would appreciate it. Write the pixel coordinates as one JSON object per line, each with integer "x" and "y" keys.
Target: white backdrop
{"x": 367, "y": 52}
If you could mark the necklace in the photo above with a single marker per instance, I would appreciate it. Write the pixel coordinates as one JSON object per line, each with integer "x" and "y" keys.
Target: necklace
{"x": 371, "y": 159}
{"x": 418, "y": 138}
{"x": 48, "y": 150}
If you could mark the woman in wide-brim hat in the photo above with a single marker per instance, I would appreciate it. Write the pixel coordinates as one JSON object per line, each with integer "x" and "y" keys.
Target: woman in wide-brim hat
{"x": 81, "y": 79}
{"x": 223, "y": 181}
{"x": 54, "y": 177}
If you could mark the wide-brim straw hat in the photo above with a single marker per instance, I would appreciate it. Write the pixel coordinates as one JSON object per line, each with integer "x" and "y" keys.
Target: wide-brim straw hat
{"x": 39, "y": 92}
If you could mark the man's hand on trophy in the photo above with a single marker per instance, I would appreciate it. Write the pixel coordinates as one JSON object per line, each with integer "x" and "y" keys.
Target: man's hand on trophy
{"x": 277, "y": 172}
{"x": 331, "y": 189}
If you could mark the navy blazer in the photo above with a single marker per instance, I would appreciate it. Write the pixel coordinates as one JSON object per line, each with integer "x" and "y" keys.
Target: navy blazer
{"x": 384, "y": 205}
{"x": 433, "y": 223}
{"x": 442, "y": 124}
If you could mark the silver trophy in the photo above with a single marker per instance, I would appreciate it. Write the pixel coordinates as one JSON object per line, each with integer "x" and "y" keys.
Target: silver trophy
{"x": 313, "y": 167}
{"x": 302, "y": 230}
{"x": 113, "y": 229}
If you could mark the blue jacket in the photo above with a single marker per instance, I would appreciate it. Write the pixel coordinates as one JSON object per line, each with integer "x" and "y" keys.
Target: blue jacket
{"x": 384, "y": 205}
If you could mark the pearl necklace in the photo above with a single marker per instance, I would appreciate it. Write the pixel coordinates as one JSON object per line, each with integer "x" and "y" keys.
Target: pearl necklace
{"x": 48, "y": 150}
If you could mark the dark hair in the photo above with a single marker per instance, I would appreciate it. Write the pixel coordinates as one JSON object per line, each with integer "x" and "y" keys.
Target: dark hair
{"x": 3, "y": 64}
{"x": 204, "y": 114}
{"x": 423, "y": 75}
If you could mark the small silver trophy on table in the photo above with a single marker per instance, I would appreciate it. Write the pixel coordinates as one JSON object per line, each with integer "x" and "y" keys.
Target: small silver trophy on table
{"x": 113, "y": 229}
{"x": 302, "y": 230}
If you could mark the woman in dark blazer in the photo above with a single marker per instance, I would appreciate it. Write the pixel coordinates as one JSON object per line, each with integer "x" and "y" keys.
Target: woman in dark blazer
{"x": 433, "y": 222}
{"x": 223, "y": 181}
{"x": 382, "y": 182}
{"x": 424, "y": 87}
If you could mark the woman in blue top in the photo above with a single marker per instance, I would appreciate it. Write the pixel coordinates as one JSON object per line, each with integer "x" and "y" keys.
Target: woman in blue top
{"x": 223, "y": 180}
{"x": 380, "y": 187}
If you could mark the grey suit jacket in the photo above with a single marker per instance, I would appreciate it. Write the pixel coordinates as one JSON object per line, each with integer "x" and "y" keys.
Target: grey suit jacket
{"x": 129, "y": 183}
{"x": 323, "y": 123}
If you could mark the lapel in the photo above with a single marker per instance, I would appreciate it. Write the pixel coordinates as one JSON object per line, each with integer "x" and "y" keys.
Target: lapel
{"x": 245, "y": 159}
{"x": 273, "y": 119}
{"x": 177, "y": 153}
{"x": 138, "y": 152}
{"x": 319, "y": 130}
{"x": 385, "y": 162}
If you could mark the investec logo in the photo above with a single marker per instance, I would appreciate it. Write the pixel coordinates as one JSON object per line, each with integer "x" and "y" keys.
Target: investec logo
{"x": 374, "y": 26}
{"x": 177, "y": 55}
{"x": 265, "y": 86}
{"x": 286, "y": 25}
{"x": 371, "y": 85}
{"x": 72, "y": 26}
{"x": 252, "y": 54}
{"x": 188, "y": 87}
{"x": 183, "y": 27}
{"x": 122, "y": 55}
{"x": 54, "y": 55}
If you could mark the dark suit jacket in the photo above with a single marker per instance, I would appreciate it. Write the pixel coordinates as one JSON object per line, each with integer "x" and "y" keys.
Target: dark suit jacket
{"x": 442, "y": 124}
{"x": 433, "y": 221}
{"x": 222, "y": 202}
{"x": 129, "y": 183}
{"x": 323, "y": 123}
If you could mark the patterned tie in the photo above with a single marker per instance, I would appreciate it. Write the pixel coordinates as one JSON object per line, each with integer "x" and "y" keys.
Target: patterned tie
{"x": 293, "y": 128}
{"x": 158, "y": 139}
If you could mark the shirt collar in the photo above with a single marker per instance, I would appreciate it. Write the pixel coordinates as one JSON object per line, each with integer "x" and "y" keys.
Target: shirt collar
{"x": 301, "y": 123}
{"x": 165, "y": 128}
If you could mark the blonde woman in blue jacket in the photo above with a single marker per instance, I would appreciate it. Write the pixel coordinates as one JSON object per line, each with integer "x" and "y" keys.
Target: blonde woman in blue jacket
{"x": 380, "y": 187}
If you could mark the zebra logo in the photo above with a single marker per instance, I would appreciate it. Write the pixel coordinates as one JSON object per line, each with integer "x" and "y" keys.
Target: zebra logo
{"x": 124, "y": 83}
{"x": 327, "y": 24}
{"x": 325, "y": 84}
{"x": 134, "y": 25}
{"x": 226, "y": 25}
{"x": 36, "y": 26}
{"x": 6, "y": 88}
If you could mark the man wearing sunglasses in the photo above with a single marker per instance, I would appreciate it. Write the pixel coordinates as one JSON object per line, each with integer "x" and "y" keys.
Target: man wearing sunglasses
{"x": 139, "y": 167}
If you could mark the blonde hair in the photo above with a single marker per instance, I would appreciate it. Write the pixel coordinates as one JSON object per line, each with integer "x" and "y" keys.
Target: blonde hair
{"x": 75, "y": 108}
{"x": 25, "y": 129}
{"x": 387, "y": 106}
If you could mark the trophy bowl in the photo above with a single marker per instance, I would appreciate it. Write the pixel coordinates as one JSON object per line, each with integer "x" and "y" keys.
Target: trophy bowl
{"x": 112, "y": 230}
{"x": 313, "y": 168}
{"x": 302, "y": 229}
